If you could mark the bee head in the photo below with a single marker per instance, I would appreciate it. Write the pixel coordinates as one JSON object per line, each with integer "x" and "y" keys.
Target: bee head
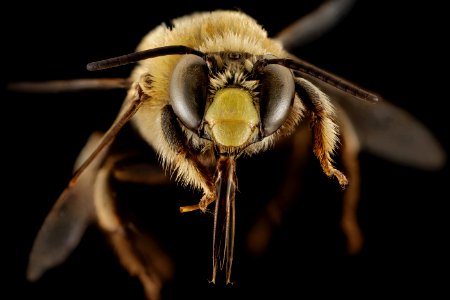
{"x": 221, "y": 97}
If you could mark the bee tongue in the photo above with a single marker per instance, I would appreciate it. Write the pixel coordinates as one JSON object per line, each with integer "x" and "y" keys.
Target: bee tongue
{"x": 223, "y": 240}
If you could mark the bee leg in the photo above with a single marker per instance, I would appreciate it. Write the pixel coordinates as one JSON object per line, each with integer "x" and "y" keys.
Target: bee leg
{"x": 178, "y": 143}
{"x": 349, "y": 155}
{"x": 138, "y": 252}
{"x": 142, "y": 257}
{"x": 323, "y": 125}
{"x": 261, "y": 232}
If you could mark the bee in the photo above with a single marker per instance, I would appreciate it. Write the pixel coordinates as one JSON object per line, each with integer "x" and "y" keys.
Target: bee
{"x": 209, "y": 92}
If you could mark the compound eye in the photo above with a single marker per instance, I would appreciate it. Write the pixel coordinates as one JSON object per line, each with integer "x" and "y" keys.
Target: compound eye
{"x": 277, "y": 95}
{"x": 188, "y": 90}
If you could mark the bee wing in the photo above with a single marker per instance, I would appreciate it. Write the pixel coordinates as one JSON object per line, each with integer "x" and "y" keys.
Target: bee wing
{"x": 68, "y": 219}
{"x": 390, "y": 132}
{"x": 74, "y": 210}
{"x": 315, "y": 24}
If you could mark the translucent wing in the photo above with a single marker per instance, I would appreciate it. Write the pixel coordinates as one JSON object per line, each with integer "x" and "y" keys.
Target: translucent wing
{"x": 68, "y": 219}
{"x": 74, "y": 209}
{"x": 315, "y": 24}
{"x": 390, "y": 132}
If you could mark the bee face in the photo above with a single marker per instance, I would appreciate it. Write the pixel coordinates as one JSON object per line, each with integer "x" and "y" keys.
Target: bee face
{"x": 223, "y": 99}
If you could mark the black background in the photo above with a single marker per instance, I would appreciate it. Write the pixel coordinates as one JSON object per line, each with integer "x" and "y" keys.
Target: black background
{"x": 395, "y": 49}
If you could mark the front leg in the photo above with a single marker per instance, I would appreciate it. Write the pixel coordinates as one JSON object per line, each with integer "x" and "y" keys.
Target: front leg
{"x": 185, "y": 158}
